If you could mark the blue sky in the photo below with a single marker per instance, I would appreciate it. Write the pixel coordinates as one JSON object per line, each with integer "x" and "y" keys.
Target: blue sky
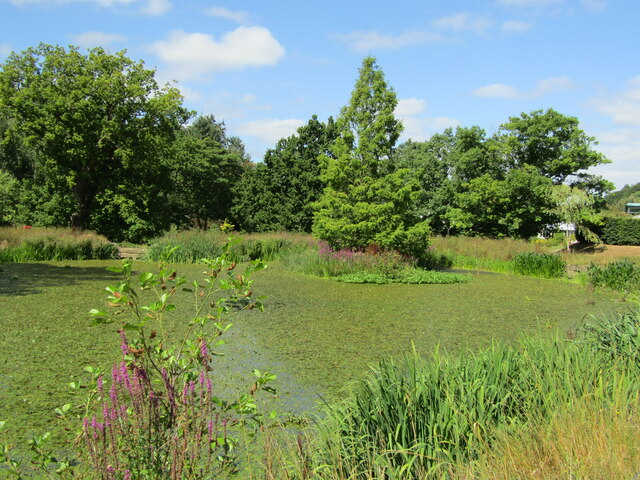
{"x": 266, "y": 67}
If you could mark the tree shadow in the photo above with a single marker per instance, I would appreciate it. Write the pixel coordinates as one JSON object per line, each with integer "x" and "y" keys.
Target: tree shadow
{"x": 17, "y": 279}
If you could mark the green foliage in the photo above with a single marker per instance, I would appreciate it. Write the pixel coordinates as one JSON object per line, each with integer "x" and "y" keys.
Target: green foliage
{"x": 278, "y": 194}
{"x": 367, "y": 200}
{"x": 628, "y": 194}
{"x": 408, "y": 275}
{"x": 8, "y": 191}
{"x": 205, "y": 168}
{"x": 575, "y": 206}
{"x": 42, "y": 250}
{"x": 620, "y": 231}
{"x": 192, "y": 245}
{"x": 414, "y": 418}
{"x": 551, "y": 142}
{"x": 515, "y": 206}
{"x": 36, "y": 244}
{"x": 545, "y": 265}
{"x": 158, "y": 416}
{"x": 99, "y": 123}
{"x": 623, "y": 275}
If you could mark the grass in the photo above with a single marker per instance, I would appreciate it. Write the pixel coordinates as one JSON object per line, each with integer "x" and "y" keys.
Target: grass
{"x": 546, "y": 408}
{"x": 37, "y": 244}
{"x": 192, "y": 245}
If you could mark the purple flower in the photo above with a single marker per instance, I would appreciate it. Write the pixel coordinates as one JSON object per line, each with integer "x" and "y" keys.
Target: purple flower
{"x": 124, "y": 346}
{"x": 100, "y": 385}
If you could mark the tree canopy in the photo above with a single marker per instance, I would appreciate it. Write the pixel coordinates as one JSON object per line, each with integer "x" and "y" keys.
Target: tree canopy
{"x": 98, "y": 123}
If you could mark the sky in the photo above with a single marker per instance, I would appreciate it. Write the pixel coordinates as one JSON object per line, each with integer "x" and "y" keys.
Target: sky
{"x": 265, "y": 67}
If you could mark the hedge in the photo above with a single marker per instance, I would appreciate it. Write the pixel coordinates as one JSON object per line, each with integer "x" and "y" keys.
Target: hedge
{"x": 620, "y": 231}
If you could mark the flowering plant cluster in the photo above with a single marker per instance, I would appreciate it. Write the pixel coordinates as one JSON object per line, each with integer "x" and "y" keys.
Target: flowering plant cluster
{"x": 157, "y": 415}
{"x": 373, "y": 260}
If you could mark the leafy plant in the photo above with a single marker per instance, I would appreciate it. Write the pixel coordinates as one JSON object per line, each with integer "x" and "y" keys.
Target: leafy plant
{"x": 158, "y": 415}
{"x": 620, "y": 275}
{"x": 545, "y": 265}
{"x": 409, "y": 275}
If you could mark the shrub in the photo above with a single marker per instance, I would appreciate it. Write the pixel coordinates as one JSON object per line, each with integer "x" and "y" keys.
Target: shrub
{"x": 620, "y": 231}
{"x": 622, "y": 275}
{"x": 158, "y": 415}
{"x": 545, "y": 265}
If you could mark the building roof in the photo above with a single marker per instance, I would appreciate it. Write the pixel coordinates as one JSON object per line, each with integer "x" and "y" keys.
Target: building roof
{"x": 632, "y": 205}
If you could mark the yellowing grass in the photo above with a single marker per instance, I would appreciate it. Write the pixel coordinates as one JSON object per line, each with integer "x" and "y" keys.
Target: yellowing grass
{"x": 583, "y": 441}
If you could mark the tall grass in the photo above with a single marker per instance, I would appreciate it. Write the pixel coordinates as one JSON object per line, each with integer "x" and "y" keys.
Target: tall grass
{"x": 417, "y": 418}
{"x": 41, "y": 244}
{"x": 487, "y": 248}
{"x": 193, "y": 245}
{"x": 585, "y": 440}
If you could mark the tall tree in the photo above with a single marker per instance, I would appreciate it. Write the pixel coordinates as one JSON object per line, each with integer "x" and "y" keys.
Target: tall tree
{"x": 100, "y": 123}
{"x": 367, "y": 199}
{"x": 205, "y": 168}
{"x": 551, "y": 142}
{"x": 278, "y": 193}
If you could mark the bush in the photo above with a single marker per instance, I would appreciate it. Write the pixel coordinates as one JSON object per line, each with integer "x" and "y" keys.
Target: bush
{"x": 622, "y": 275}
{"x": 620, "y": 231}
{"x": 545, "y": 265}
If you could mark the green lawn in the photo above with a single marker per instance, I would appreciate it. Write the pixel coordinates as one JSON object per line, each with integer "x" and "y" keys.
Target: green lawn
{"x": 317, "y": 335}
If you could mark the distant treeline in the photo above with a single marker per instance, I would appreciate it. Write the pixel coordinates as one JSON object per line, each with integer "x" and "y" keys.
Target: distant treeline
{"x": 92, "y": 141}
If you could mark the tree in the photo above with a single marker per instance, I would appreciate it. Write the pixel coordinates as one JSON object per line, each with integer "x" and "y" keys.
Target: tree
{"x": 278, "y": 193}
{"x": 551, "y": 142}
{"x": 205, "y": 168}
{"x": 575, "y": 206}
{"x": 367, "y": 199}
{"x": 100, "y": 123}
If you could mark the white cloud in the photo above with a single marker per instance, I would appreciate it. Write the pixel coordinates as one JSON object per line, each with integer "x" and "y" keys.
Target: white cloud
{"x": 5, "y": 49}
{"x": 97, "y": 39}
{"x": 624, "y": 107}
{"x": 515, "y": 26}
{"x": 621, "y": 144}
{"x": 156, "y": 7}
{"x": 410, "y": 106}
{"x": 191, "y": 55}
{"x": 463, "y": 22}
{"x": 271, "y": 130}
{"x": 416, "y": 126}
{"x": 509, "y": 92}
{"x": 366, "y": 41}
{"x": 237, "y": 16}
{"x": 622, "y": 147}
